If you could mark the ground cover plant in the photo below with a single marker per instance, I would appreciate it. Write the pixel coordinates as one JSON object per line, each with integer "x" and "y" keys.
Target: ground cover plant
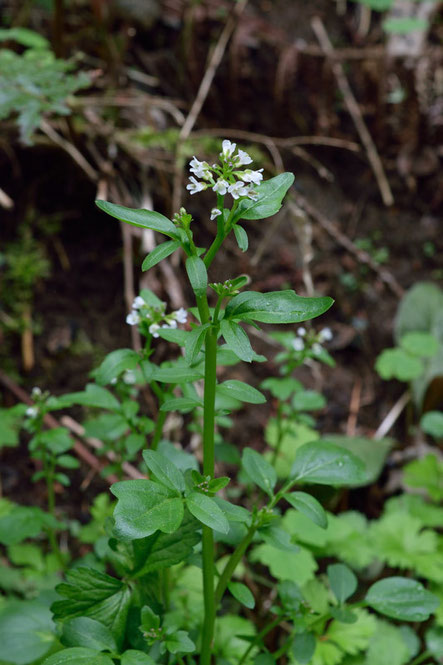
{"x": 189, "y": 566}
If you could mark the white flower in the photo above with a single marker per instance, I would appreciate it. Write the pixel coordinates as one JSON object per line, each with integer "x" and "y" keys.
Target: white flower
{"x": 298, "y": 344}
{"x": 252, "y": 194}
{"x": 200, "y": 169}
{"x": 228, "y": 149}
{"x": 138, "y": 303}
{"x": 316, "y": 349}
{"x": 195, "y": 186}
{"x": 36, "y": 392}
{"x": 129, "y": 377}
{"x": 153, "y": 329}
{"x": 221, "y": 186}
{"x": 242, "y": 158}
{"x": 301, "y": 332}
{"x": 238, "y": 189}
{"x": 180, "y": 315}
{"x": 133, "y": 318}
{"x": 32, "y": 411}
{"x": 171, "y": 325}
{"x": 252, "y": 176}
{"x": 215, "y": 212}
{"x": 113, "y": 381}
{"x": 325, "y": 335}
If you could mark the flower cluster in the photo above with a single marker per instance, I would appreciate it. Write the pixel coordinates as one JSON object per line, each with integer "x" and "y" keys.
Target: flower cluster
{"x": 311, "y": 341}
{"x": 38, "y": 397}
{"x": 154, "y": 316}
{"x": 225, "y": 178}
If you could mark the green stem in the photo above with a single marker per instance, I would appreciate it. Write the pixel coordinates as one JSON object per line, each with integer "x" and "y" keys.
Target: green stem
{"x": 424, "y": 656}
{"x": 258, "y": 638}
{"x": 49, "y": 468}
{"x": 280, "y": 434}
{"x": 218, "y": 241}
{"x": 233, "y": 562}
{"x": 158, "y": 431}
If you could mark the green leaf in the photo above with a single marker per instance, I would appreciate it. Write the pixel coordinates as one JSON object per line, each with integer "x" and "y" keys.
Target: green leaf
{"x": 404, "y": 25}
{"x": 143, "y": 507}
{"x": 402, "y": 598}
{"x": 177, "y": 374}
{"x": 242, "y": 593}
{"x": 57, "y": 440}
{"x": 164, "y": 470}
{"x": 309, "y": 506}
{"x": 20, "y": 522}
{"x": 93, "y": 395}
{"x": 68, "y": 462}
{"x": 134, "y": 657}
{"x": 278, "y": 538}
{"x": 398, "y": 364}
{"x": 303, "y": 647}
{"x": 259, "y": 470}
{"x": 275, "y": 307}
{"x": 78, "y": 656}
{"x": 426, "y": 473}
{"x": 87, "y": 632}
{"x": 163, "y": 550}
{"x": 194, "y": 342}
{"x": 159, "y": 253}
{"x": 353, "y": 637}
{"x": 326, "y": 464}
{"x": 387, "y": 646}
{"x": 281, "y": 388}
{"x": 434, "y": 641}
{"x": 90, "y": 593}
{"x": 27, "y": 631}
{"x": 342, "y": 581}
{"x": 114, "y": 364}
{"x": 179, "y": 642}
{"x": 237, "y": 340}
{"x": 299, "y": 567}
{"x": 206, "y": 510}
{"x": 419, "y": 344}
{"x": 432, "y": 423}
{"x": 25, "y": 37}
{"x": 372, "y": 452}
{"x": 181, "y": 404}
{"x": 197, "y": 274}
{"x": 145, "y": 219}
{"x": 241, "y": 237}
{"x": 270, "y": 197}
{"x": 308, "y": 400}
{"x": 241, "y": 391}
{"x": 10, "y": 423}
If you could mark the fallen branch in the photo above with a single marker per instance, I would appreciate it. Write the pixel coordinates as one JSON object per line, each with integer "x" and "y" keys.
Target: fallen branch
{"x": 391, "y": 418}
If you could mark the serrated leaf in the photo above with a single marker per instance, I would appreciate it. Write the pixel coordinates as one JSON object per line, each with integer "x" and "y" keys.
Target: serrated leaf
{"x": 237, "y": 340}
{"x": 159, "y": 253}
{"x": 198, "y": 275}
{"x": 90, "y": 593}
{"x": 402, "y": 598}
{"x": 259, "y": 470}
{"x": 270, "y": 196}
{"x": 309, "y": 506}
{"x": 27, "y": 631}
{"x": 275, "y": 307}
{"x": 87, "y": 632}
{"x": 241, "y": 237}
{"x": 206, "y": 510}
{"x": 426, "y": 473}
{"x": 241, "y": 391}
{"x": 114, "y": 364}
{"x": 179, "y": 642}
{"x": 143, "y": 507}
{"x": 145, "y": 219}
{"x": 353, "y": 637}
{"x": 21, "y": 522}
{"x": 326, "y": 464}
{"x": 242, "y": 593}
{"x": 78, "y": 656}
{"x": 164, "y": 470}
{"x": 342, "y": 581}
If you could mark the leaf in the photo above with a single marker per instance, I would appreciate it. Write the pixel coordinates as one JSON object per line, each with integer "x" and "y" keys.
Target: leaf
{"x": 181, "y": 404}
{"x": 426, "y": 473}
{"x": 259, "y": 470}
{"x": 179, "y": 642}
{"x": 143, "y": 507}
{"x": 10, "y": 424}
{"x": 57, "y": 440}
{"x": 299, "y": 567}
{"x": 20, "y": 522}
{"x": 281, "y": 388}
{"x": 372, "y": 452}
{"x": 309, "y": 506}
{"x": 275, "y": 307}
{"x": 114, "y": 364}
{"x": 398, "y": 364}
{"x": 241, "y": 237}
{"x": 303, "y": 647}
{"x": 87, "y": 632}
{"x": 353, "y": 637}
{"x": 198, "y": 275}
{"x": 159, "y": 253}
{"x": 177, "y": 374}
{"x": 93, "y": 395}
{"x": 241, "y": 391}
{"x": 90, "y": 593}
{"x": 434, "y": 641}
{"x": 432, "y": 423}
{"x": 145, "y": 219}
{"x": 206, "y": 510}
{"x": 342, "y": 580}
{"x": 25, "y": 37}
{"x": 164, "y": 470}
{"x": 308, "y": 400}
{"x": 419, "y": 309}
{"x": 242, "y": 593}
{"x": 237, "y": 340}
{"x": 270, "y": 196}
{"x": 404, "y": 25}
{"x": 134, "y": 657}
{"x": 401, "y": 598}
{"x": 326, "y": 464}
{"x": 387, "y": 646}
{"x": 78, "y": 656}
{"x": 27, "y": 631}
{"x": 278, "y": 538}
{"x": 163, "y": 550}
{"x": 194, "y": 342}
{"x": 419, "y": 344}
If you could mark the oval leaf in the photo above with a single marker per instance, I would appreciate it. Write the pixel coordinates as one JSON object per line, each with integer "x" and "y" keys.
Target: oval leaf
{"x": 164, "y": 470}
{"x": 198, "y": 275}
{"x": 309, "y": 506}
{"x": 237, "y": 340}
{"x": 259, "y": 470}
{"x": 159, "y": 253}
{"x": 176, "y": 374}
{"x": 326, "y": 464}
{"x": 270, "y": 196}
{"x": 241, "y": 391}
{"x": 87, "y": 632}
{"x": 402, "y": 598}
{"x": 275, "y": 307}
{"x": 342, "y": 580}
{"x": 114, "y": 364}
{"x": 241, "y": 237}
{"x": 242, "y": 593}
{"x": 145, "y": 219}
{"x": 207, "y": 511}
{"x": 78, "y": 656}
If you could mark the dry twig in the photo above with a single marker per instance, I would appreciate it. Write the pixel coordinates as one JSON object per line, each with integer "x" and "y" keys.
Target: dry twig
{"x": 70, "y": 149}
{"x": 393, "y": 415}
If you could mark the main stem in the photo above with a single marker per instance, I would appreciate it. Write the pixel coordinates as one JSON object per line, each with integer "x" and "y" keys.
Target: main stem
{"x": 208, "y": 470}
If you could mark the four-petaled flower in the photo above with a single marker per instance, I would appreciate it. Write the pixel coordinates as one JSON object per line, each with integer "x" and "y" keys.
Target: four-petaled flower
{"x": 138, "y": 302}
{"x": 238, "y": 189}
{"x": 153, "y": 328}
{"x": 200, "y": 169}
{"x": 228, "y": 149}
{"x": 221, "y": 186}
{"x": 180, "y": 315}
{"x": 252, "y": 176}
{"x": 298, "y": 344}
{"x": 195, "y": 186}
{"x": 215, "y": 212}
{"x": 242, "y": 158}
{"x": 133, "y": 318}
